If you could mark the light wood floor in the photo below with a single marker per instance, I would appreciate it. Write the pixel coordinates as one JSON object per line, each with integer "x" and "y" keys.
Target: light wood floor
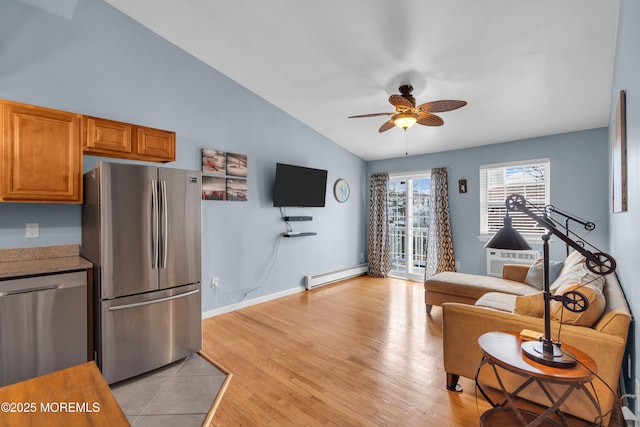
{"x": 357, "y": 353}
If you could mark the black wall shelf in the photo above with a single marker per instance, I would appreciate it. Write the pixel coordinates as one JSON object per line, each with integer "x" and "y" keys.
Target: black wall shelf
{"x": 294, "y": 234}
{"x": 298, "y": 218}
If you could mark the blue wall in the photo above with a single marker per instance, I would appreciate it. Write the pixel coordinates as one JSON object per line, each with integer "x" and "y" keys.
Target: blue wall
{"x": 625, "y": 226}
{"x": 103, "y": 63}
{"x": 579, "y": 185}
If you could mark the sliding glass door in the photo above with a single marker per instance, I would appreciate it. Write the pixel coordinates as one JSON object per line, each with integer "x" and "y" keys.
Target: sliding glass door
{"x": 408, "y": 204}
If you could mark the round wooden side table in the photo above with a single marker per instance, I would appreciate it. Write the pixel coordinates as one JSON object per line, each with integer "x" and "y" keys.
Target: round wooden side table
{"x": 502, "y": 349}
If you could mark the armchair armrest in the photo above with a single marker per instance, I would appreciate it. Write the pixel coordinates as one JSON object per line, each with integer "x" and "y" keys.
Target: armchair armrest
{"x": 515, "y": 272}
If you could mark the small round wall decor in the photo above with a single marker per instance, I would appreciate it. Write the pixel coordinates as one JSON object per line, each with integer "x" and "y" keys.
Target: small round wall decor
{"x": 341, "y": 190}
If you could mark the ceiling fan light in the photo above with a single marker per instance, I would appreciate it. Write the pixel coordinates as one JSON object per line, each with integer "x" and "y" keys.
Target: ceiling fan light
{"x": 405, "y": 120}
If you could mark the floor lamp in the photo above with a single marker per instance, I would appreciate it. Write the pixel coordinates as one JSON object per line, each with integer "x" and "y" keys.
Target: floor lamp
{"x": 546, "y": 351}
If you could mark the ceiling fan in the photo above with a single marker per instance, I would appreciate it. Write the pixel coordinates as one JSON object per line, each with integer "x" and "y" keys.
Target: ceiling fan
{"x": 408, "y": 114}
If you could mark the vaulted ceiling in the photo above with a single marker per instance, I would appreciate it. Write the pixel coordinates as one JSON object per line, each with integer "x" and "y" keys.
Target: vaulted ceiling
{"x": 526, "y": 68}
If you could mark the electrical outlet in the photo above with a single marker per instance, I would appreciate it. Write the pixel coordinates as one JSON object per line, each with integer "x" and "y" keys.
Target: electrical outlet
{"x": 457, "y": 265}
{"x": 628, "y": 415}
{"x": 215, "y": 282}
{"x": 32, "y": 230}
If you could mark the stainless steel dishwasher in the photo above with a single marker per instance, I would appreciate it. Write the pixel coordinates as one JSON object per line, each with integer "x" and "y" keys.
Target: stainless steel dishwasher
{"x": 43, "y": 325}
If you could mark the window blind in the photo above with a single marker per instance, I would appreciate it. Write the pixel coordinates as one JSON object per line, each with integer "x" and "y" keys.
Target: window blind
{"x": 529, "y": 179}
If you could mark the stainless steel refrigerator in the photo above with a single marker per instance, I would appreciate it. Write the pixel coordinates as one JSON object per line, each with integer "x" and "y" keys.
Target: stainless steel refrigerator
{"x": 141, "y": 229}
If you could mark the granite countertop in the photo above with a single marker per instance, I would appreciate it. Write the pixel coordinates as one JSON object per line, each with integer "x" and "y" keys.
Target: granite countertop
{"x": 41, "y": 260}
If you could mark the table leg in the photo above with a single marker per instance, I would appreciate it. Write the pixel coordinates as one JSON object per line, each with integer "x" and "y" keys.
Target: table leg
{"x": 541, "y": 418}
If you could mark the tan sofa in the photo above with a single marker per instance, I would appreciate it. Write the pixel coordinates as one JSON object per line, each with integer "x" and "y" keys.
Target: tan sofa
{"x": 471, "y": 306}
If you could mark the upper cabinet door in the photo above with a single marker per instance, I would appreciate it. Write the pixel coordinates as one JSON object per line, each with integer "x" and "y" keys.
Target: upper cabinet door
{"x": 41, "y": 154}
{"x": 106, "y": 137}
{"x": 156, "y": 143}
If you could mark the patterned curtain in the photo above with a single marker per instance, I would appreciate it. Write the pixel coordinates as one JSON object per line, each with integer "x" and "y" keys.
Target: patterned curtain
{"x": 439, "y": 243}
{"x": 378, "y": 250}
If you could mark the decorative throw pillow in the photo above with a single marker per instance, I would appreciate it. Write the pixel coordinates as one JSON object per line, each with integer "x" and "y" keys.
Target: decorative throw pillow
{"x": 574, "y": 258}
{"x": 596, "y": 307}
{"x": 579, "y": 273}
{"x": 530, "y": 305}
{"x": 535, "y": 275}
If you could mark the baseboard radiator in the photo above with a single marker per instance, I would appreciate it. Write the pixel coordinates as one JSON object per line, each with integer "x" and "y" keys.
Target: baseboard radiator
{"x": 311, "y": 282}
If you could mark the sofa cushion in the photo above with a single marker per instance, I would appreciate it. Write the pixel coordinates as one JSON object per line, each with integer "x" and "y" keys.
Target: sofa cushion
{"x": 530, "y": 305}
{"x": 535, "y": 275}
{"x": 586, "y": 318}
{"x": 616, "y": 317}
{"x": 498, "y": 301}
{"x": 473, "y": 286}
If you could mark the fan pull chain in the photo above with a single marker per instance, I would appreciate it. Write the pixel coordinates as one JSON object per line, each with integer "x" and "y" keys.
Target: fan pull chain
{"x": 406, "y": 145}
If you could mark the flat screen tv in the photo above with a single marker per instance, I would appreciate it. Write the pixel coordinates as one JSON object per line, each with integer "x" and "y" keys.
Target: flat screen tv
{"x": 299, "y": 186}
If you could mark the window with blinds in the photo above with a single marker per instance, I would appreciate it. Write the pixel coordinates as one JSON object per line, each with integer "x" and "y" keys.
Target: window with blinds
{"x": 528, "y": 178}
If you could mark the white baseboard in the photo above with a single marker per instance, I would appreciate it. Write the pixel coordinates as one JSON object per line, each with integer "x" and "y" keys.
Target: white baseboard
{"x": 248, "y": 303}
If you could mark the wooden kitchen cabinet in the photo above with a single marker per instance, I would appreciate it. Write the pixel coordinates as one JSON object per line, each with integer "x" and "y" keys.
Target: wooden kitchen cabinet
{"x": 40, "y": 153}
{"x": 156, "y": 143}
{"x": 102, "y": 137}
{"x": 105, "y": 137}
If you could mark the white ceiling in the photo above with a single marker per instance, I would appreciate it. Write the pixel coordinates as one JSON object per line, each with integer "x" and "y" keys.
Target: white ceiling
{"x": 526, "y": 68}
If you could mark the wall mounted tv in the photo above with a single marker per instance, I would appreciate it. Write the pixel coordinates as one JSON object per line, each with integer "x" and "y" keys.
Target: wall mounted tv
{"x": 299, "y": 186}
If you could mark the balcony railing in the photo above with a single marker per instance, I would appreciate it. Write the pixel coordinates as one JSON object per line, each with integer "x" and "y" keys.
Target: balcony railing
{"x": 398, "y": 234}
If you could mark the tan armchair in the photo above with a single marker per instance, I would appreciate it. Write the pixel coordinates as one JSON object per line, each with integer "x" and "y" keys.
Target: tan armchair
{"x": 604, "y": 342}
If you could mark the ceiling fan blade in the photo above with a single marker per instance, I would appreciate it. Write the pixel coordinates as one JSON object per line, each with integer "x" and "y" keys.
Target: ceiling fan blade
{"x": 426, "y": 119}
{"x": 369, "y": 115}
{"x": 441, "y": 106}
{"x": 400, "y": 101}
{"x": 386, "y": 126}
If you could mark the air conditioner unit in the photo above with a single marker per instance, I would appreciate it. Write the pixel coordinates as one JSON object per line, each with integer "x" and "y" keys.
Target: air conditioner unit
{"x": 496, "y": 258}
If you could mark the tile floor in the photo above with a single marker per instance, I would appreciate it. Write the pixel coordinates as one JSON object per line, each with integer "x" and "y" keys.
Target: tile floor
{"x": 179, "y": 394}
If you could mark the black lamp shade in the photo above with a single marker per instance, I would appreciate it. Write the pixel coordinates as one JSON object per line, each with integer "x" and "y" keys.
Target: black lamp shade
{"x": 508, "y": 238}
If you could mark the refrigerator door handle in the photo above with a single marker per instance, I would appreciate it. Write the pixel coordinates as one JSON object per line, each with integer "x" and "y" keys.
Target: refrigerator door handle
{"x": 155, "y": 301}
{"x": 154, "y": 224}
{"x": 165, "y": 224}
